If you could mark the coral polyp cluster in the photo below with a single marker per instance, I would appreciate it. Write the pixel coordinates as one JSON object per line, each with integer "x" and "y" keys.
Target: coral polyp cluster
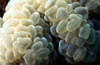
{"x": 27, "y": 28}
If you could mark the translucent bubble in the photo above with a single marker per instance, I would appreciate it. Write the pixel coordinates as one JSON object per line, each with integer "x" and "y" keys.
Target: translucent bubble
{"x": 62, "y": 47}
{"x": 44, "y": 41}
{"x": 42, "y": 62}
{"x": 63, "y": 35}
{"x": 39, "y": 29}
{"x": 39, "y": 35}
{"x": 46, "y": 28}
{"x": 36, "y": 39}
{"x": 92, "y": 37}
{"x": 68, "y": 37}
{"x": 79, "y": 54}
{"x": 97, "y": 41}
{"x": 71, "y": 50}
{"x": 92, "y": 4}
{"x": 53, "y": 55}
{"x": 73, "y": 41}
{"x": 91, "y": 24}
{"x": 69, "y": 60}
{"x": 42, "y": 53}
{"x": 82, "y": 10}
{"x": 46, "y": 18}
{"x": 76, "y": 4}
{"x": 98, "y": 2}
{"x": 83, "y": 22}
{"x": 50, "y": 47}
{"x": 53, "y": 31}
{"x": 84, "y": 2}
{"x": 48, "y": 37}
{"x": 37, "y": 46}
{"x": 41, "y": 22}
{"x": 80, "y": 42}
{"x": 55, "y": 23}
{"x": 89, "y": 57}
{"x": 84, "y": 31}
{"x": 29, "y": 59}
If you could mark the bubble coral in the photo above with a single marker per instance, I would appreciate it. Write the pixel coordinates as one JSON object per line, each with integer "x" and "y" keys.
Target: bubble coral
{"x": 25, "y": 37}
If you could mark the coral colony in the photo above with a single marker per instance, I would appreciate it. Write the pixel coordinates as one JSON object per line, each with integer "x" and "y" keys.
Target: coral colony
{"x": 29, "y": 27}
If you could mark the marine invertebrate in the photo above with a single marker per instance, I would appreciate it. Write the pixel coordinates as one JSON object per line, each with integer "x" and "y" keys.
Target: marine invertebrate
{"x": 25, "y": 37}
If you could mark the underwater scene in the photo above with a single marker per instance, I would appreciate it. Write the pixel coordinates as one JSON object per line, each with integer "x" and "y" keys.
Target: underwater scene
{"x": 49, "y": 32}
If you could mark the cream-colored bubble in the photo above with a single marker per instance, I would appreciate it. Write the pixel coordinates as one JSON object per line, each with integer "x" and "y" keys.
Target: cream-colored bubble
{"x": 18, "y": 14}
{"x": 29, "y": 1}
{"x": 42, "y": 2}
{"x": 61, "y": 4}
{"x": 32, "y": 30}
{"x": 55, "y": 23}
{"x": 2, "y": 57}
{"x": 7, "y": 15}
{"x": 9, "y": 30}
{"x": 35, "y": 5}
{"x": 1, "y": 31}
{"x": 22, "y": 34}
{"x": 11, "y": 22}
{"x": 22, "y": 44}
{"x": 69, "y": 8}
{"x": 9, "y": 56}
{"x": 69, "y": 37}
{"x": 35, "y": 17}
{"x": 29, "y": 57}
{"x": 21, "y": 28}
{"x": 17, "y": 55}
{"x": 2, "y": 48}
{"x": 74, "y": 23}
{"x": 29, "y": 7}
{"x": 41, "y": 9}
{"x": 7, "y": 41}
{"x": 51, "y": 12}
{"x": 61, "y": 27}
{"x": 62, "y": 14}
{"x": 68, "y": 1}
{"x": 26, "y": 22}
{"x": 26, "y": 12}
{"x": 50, "y": 3}
{"x": 84, "y": 31}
